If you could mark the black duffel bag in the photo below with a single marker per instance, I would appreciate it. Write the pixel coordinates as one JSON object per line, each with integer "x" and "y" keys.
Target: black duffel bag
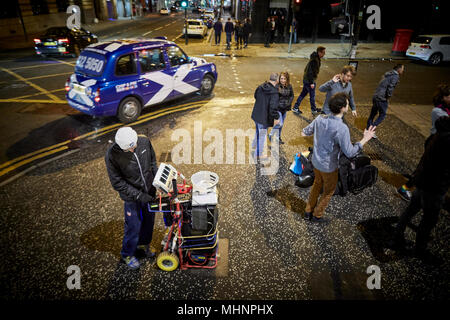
{"x": 355, "y": 174}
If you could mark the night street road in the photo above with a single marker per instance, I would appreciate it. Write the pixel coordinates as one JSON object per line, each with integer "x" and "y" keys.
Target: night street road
{"x": 66, "y": 213}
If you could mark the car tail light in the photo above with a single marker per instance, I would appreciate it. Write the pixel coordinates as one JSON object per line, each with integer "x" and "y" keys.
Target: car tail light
{"x": 97, "y": 95}
{"x": 67, "y": 85}
{"x": 64, "y": 40}
{"x": 37, "y": 41}
{"x": 425, "y": 46}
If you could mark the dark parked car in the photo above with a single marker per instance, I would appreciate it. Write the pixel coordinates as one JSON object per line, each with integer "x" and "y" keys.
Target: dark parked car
{"x": 63, "y": 41}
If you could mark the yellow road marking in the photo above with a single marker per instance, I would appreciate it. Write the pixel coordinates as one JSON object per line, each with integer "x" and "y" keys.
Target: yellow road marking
{"x": 64, "y": 62}
{"x": 36, "y": 66}
{"x": 41, "y": 155}
{"x": 149, "y": 118}
{"x": 108, "y": 129}
{"x": 32, "y": 154}
{"x": 50, "y": 95}
{"x": 49, "y": 75}
{"x": 56, "y": 101}
{"x": 36, "y": 94}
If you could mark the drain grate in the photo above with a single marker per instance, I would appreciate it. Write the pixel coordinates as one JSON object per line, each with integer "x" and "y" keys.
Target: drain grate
{"x": 374, "y": 156}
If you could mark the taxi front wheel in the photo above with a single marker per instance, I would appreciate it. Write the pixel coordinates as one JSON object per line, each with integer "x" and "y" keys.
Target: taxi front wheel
{"x": 129, "y": 110}
{"x": 207, "y": 85}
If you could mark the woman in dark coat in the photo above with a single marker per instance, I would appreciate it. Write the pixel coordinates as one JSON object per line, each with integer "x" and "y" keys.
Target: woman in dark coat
{"x": 286, "y": 95}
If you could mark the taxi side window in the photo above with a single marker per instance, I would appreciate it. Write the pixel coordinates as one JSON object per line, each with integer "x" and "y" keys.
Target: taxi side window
{"x": 126, "y": 65}
{"x": 176, "y": 56}
{"x": 151, "y": 60}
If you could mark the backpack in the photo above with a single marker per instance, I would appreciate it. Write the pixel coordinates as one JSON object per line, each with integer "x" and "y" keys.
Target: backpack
{"x": 355, "y": 174}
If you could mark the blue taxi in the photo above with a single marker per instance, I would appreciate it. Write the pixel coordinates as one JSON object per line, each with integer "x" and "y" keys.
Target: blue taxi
{"x": 119, "y": 78}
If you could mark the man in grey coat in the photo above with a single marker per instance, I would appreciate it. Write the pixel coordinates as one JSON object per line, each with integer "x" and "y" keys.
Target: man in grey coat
{"x": 382, "y": 94}
{"x": 340, "y": 83}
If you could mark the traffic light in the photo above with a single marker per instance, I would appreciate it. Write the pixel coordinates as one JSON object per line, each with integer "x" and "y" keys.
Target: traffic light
{"x": 298, "y": 1}
{"x": 184, "y": 4}
{"x": 339, "y": 22}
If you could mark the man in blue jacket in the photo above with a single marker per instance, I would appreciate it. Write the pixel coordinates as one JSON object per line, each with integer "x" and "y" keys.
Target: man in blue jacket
{"x": 131, "y": 166}
{"x": 331, "y": 136}
{"x": 382, "y": 95}
{"x": 218, "y": 28}
{"x": 229, "y": 29}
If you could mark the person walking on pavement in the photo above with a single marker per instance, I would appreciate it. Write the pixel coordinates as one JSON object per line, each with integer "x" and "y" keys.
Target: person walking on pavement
{"x": 218, "y": 29}
{"x": 309, "y": 81}
{"x": 286, "y": 95}
{"x": 432, "y": 180}
{"x": 131, "y": 166}
{"x": 281, "y": 23}
{"x": 247, "y": 31}
{"x": 382, "y": 95}
{"x": 229, "y": 29}
{"x": 331, "y": 136}
{"x": 239, "y": 30}
{"x": 265, "y": 113}
{"x": 340, "y": 83}
{"x": 272, "y": 30}
{"x": 267, "y": 32}
{"x": 441, "y": 101}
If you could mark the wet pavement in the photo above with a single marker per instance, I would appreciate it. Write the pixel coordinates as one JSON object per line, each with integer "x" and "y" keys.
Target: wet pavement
{"x": 66, "y": 213}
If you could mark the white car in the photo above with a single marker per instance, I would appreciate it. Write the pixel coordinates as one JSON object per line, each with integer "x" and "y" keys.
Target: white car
{"x": 431, "y": 48}
{"x": 164, "y": 11}
{"x": 195, "y": 27}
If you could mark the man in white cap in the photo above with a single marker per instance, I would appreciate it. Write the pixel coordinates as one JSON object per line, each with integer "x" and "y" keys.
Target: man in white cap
{"x": 131, "y": 165}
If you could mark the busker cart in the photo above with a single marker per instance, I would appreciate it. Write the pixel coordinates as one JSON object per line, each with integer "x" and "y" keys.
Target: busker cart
{"x": 190, "y": 214}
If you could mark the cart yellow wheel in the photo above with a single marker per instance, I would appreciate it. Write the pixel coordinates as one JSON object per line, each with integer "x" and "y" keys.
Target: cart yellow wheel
{"x": 167, "y": 261}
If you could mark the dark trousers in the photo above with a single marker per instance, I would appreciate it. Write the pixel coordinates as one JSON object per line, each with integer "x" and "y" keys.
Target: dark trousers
{"x": 266, "y": 39}
{"x": 378, "y": 107}
{"x": 228, "y": 39}
{"x": 217, "y": 37}
{"x": 138, "y": 227}
{"x": 239, "y": 41}
{"x": 312, "y": 95}
{"x": 245, "y": 39}
{"x": 430, "y": 202}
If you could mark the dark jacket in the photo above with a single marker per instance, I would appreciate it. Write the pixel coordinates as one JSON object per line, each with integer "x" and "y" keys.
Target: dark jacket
{"x": 239, "y": 30}
{"x": 386, "y": 86}
{"x": 433, "y": 170}
{"x": 124, "y": 172}
{"x": 267, "y": 26}
{"x": 266, "y": 104}
{"x": 286, "y": 95}
{"x": 247, "y": 28}
{"x": 218, "y": 27}
{"x": 229, "y": 28}
{"x": 312, "y": 68}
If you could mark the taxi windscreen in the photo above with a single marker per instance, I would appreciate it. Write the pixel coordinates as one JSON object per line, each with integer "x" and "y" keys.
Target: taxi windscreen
{"x": 90, "y": 63}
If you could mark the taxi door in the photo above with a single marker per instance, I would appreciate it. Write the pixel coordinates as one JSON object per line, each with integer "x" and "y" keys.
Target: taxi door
{"x": 155, "y": 82}
{"x": 186, "y": 79}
